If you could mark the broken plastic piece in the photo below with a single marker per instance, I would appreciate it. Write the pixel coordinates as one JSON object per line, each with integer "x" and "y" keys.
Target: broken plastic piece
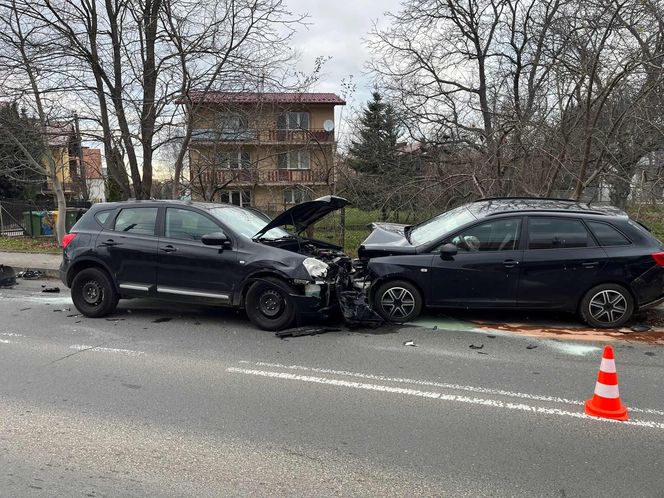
{"x": 301, "y": 331}
{"x": 410, "y": 343}
{"x": 472, "y": 346}
{"x": 51, "y": 289}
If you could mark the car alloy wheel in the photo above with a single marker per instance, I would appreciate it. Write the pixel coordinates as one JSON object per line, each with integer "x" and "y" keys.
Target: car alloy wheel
{"x": 397, "y": 302}
{"x": 608, "y": 306}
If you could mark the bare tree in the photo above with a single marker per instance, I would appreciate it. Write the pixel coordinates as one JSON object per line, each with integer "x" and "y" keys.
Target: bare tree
{"x": 26, "y": 56}
{"x": 533, "y": 97}
{"x": 129, "y": 63}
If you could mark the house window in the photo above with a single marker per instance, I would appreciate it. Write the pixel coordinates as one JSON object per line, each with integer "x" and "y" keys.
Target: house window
{"x": 231, "y": 121}
{"x": 295, "y": 196}
{"x": 237, "y": 197}
{"x": 293, "y": 121}
{"x": 294, "y": 159}
{"x": 233, "y": 160}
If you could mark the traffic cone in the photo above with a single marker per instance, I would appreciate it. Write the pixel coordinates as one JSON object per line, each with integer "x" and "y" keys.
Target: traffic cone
{"x": 606, "y": 402}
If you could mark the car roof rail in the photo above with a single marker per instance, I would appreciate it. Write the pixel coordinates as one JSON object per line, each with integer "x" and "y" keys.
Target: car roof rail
{"x": 552, "y": 210}
{"x": 529, "y": 198}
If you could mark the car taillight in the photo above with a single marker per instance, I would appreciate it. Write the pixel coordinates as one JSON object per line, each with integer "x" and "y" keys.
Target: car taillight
{"x": 658, "y": 257}
{"x": 66, "y": 240}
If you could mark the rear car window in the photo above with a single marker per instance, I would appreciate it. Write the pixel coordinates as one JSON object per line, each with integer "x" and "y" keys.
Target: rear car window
{"x": 557, "y": 233}
{"x": 136, "y": 220}
{"x": 102, "y": 216}
{"x": 606, "y": 235}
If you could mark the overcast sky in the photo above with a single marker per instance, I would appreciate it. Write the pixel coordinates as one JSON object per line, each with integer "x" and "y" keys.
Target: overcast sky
{"x": 337, "y": 29}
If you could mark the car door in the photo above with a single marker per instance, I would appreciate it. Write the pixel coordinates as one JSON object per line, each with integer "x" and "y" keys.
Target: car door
{"x": 485, "y": 271}
{"x": 129, "y": 247}
{"x": 560, "y": 263}
{"x": 188, "y": 269}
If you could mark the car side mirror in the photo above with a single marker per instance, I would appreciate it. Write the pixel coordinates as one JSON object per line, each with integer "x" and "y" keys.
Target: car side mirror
{"x": 216, "y": 239}
{"x": 448, "y": 250}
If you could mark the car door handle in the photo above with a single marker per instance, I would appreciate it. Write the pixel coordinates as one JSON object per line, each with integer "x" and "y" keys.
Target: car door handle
{"x": 110, "y": 243}
{"x": 168, "y": 248}
{"x": 510, "y": 263}
{"x": 590, "y": 264}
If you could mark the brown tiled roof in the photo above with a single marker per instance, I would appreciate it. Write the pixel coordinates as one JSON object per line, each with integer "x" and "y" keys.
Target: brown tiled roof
{"x": 259, "y": 98}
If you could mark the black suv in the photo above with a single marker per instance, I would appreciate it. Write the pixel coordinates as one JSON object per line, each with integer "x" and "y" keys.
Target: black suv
{"x": 206, "y": 253}
{"x": 518, "y": 253}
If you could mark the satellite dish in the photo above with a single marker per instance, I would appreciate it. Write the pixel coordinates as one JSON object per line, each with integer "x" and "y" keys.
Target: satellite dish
{"x": 328, "y": 125}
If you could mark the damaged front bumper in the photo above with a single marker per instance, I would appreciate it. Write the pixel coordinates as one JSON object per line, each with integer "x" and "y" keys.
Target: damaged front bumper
{"x": 338, "y": 294}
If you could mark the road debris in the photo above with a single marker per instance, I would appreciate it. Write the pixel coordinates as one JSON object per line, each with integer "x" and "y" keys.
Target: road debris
{"x": 7, "y": 276}
{"x": 472, "y": 346}
{"x": 482, "y": 352}
{"x": 491, "y": 336}
{"x": 410, "y": 343}
{"x": 51, "y": 289}
{"x": 641, "y": 327}
{"x": 162, "y": 319}
{"x": 28, "y": 274}
{"x": 531, "y": 346}
{"x": 302, "y": 331}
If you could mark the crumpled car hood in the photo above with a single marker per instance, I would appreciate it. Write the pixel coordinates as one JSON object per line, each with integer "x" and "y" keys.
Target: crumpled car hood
{"x": 305, "y": 214}
{"x": 386, "y": 238}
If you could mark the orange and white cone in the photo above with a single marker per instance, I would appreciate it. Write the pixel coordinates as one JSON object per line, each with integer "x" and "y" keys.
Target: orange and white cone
{"x": 606, "y": 402}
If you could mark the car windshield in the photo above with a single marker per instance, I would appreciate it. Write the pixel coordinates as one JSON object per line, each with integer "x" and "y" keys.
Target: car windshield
{"x": 246, "y": 222}
{"x": 438, "y": 226}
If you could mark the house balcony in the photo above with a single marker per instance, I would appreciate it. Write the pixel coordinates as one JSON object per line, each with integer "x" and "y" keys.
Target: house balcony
{"x": 256, "y": 136}
{"x": 272, "y": 177}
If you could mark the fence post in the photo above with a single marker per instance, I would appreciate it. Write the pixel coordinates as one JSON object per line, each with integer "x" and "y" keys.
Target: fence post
{"x": 30, "y": 224}
{"x": 343, "y": 228}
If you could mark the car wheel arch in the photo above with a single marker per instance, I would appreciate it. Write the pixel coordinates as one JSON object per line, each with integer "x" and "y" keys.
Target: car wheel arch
{"x": 83, "y": 264}
{"x": 389, "y": 278}
{"x": 258, "y": 276}
{"x": 625, "y": 285}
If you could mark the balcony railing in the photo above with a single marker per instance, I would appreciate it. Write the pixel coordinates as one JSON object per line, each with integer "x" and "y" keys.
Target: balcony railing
{"x": 267, "y": 177}
{"x": 266, "y": 136}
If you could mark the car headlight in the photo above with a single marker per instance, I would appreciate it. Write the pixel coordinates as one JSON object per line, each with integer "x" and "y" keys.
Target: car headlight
{"x": 315, "y": 267}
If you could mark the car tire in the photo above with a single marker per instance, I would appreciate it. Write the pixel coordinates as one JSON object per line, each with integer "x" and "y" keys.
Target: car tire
{"x": 398, "y": 301}
{"x": 607, "y": 306}
{"x": 93, "y": 293}
{"x": 269, "y": 306}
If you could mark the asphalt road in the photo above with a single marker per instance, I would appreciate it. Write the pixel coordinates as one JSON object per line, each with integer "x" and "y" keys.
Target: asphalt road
{"x": 181, "y": 401}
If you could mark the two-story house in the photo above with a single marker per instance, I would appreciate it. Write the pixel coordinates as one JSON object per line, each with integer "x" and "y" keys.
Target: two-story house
{"x": 266, "y": 150}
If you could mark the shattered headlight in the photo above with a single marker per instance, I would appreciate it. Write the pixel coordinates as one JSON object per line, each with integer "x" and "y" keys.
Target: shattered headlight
{"x": 315, "y": 267}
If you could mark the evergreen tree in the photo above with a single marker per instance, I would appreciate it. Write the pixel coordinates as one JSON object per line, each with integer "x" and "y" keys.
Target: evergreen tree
{"x": 18, "y": 179}
{"x": 375, "y": 149}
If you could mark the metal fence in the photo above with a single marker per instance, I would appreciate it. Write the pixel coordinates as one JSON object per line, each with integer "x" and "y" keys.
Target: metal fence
{"x": 33, "y": 218}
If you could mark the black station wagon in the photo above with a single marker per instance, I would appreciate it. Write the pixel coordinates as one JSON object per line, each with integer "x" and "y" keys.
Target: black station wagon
{"x": 517, "y": 253}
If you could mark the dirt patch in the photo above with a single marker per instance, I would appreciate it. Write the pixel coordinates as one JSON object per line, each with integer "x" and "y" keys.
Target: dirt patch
{"x": 654, "y": 336}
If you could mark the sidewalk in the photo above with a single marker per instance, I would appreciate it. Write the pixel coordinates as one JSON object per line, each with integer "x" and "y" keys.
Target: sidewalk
{"x": 46, "y": 263}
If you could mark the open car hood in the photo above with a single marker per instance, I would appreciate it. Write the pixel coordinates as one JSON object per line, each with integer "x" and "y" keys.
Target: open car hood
{"x": 305, "y": 214}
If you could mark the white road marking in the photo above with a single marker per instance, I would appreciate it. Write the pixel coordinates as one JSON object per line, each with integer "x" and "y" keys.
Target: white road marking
{"x": 11, "y": 334}
{"x": 442, "y": 385}
{"x": 437, "y": 395}
{"x": 98, "y": 349}
{"x": 5, "y": 341}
